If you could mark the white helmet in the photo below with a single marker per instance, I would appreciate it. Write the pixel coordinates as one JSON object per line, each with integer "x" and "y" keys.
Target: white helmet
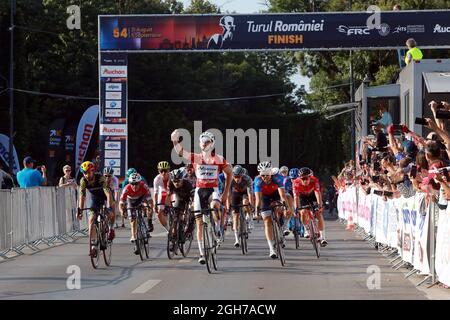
{"x": 265, "y": 168}
{"x": 134, "y": 178}
{"x": 207, "y": 136}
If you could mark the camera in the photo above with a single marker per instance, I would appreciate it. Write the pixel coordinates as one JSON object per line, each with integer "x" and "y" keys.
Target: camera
{"x": 413, "y": 171}
{"x": 388, "y": 193}
{"x": 422, "y": 121}
{"x": 376, "y": 166}
{"x": 442, "y": 114}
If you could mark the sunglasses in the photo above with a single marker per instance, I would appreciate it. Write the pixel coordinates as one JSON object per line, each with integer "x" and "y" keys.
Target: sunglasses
{"x": 134, "y": 183}
{"x": 265, "y": 176}
{"x": 165, "y": 171}
{"x": 304, "y": 179}
{"x": 176, "y": 181}
{"x": 107, "y": 175}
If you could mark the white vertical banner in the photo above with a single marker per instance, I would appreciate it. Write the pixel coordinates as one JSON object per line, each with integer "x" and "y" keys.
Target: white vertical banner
{"x": 4, "y": 153}
{"x": 443, "y": 247}
{"x": 421, "y": 236}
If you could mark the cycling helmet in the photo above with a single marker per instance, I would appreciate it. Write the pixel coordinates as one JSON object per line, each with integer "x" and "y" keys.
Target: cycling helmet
{"x": 245, "y": 172}
{"x": 207, "y": 136}
{"x": 177, "y": 174}
{"x": 189, "y": 166}
{"x": 87, "y": 166}
{"x": 135, "y": 178}
{"x": 108, "y": 171}
{"x": 293, "y": 173}
{"x": 131, "y": 171}
{"x": 305, "y": 172}
{"x": 238, "y": 170}
{"x": 265, "y": 168}
{"x": 275, "y": 170}
{"x": 163, "y": 165}
{"x": 284, "y": 169}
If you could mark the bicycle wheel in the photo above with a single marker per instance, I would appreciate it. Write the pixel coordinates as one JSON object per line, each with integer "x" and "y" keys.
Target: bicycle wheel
{"x": 140, "y": 238}
{"x": 207, "y": 248}
{"x": 95, "y": 260}
{"x": 146, "y": 238}
{"x": 278, "y": 241}
{"x": 313, "y": 238}
{"x": 296, "y": 232}
{"x": 107, "y": 245}
{"x": 171, "y": 238}
{"x": 214, "y": 245}
{"x": 188, "y": 236}
{"x": 242, "y": 232}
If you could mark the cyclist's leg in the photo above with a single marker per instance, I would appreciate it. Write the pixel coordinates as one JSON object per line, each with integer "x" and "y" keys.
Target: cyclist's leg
{"x": 162, "y": 214}
{"x": 201, "y": 197}
{"x": 132, "y": 217}
{"x": 236, "y": 199}
{"x": 266, "y": 214}
{"x": 216, "y": 204}
{"x": 248, "y": 210}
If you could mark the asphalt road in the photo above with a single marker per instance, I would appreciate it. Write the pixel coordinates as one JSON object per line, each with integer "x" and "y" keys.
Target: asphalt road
{"x": 340, "y": 273}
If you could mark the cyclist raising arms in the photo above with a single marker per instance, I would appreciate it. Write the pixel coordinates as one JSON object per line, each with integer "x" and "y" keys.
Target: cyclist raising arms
{"x": 307, "y": 192}
{"x": 135, "y": 192}
{"x": 241, "y": 188}
{"x": 160, "y": 191}
{"x": 207, "y": 165}
{"x": 269, "y": 187}
{"x": 98, "y": 187}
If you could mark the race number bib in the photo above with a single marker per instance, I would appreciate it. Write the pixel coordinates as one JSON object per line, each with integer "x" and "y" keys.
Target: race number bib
{"x": 207, "y": 172}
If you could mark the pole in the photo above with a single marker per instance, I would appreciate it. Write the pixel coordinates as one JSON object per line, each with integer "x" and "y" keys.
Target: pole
{"x": 352, "y": 125}
{"x": 11, "y": 90}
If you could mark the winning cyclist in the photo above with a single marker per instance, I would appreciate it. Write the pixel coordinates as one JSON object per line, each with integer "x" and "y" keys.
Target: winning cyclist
{"x": 241, "y": 188}
{"x": 307, "y": 192}
{"x": 135, "y": 192}
{"x": 160, "y": 191}
{"x": 268, "y": 188}
{"x": 181, "y": 190}
{"x": 207, "y": 165}
{"x": 98, "y": 187}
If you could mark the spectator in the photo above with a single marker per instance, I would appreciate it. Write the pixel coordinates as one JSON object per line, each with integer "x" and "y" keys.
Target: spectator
{"x": 413, "y": 53}
{"x": 29, "y": 177}
{"x": 6, "y": 181}
{"x": 66, "y": 180}
{"x": 385, "y": 117}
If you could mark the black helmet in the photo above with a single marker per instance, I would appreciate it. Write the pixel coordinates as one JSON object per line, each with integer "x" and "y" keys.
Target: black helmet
{"x": 305, "y": 172}
{"x": 238, "y": 170}
{"x": 177, "y": 174}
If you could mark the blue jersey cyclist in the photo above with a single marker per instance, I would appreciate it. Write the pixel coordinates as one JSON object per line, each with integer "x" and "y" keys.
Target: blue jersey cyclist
{"x": 269, "y": 187}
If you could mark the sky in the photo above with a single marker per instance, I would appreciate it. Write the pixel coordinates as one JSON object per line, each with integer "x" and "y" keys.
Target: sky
{"x": 250, "y": 6}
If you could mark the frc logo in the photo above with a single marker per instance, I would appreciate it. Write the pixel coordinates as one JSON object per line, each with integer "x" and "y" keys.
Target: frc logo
{"x": 349, "y": 31}
{"x": 113, "y": 71}
{"x": 440, "y": 29}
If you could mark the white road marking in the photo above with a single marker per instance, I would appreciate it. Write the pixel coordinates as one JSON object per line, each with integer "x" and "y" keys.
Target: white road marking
{"x": 146, "y": 286}
{"x": 185, "y": 260}
{"x": 161, "y": 234}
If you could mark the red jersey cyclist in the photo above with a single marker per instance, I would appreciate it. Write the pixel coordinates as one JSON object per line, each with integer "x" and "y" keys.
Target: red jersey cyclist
{"x": 307, "y": 192}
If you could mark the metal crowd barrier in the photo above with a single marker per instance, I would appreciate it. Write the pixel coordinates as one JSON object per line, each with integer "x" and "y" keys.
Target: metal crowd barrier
{"x": 392, "y": 252}
{"x": 34, "y": 216}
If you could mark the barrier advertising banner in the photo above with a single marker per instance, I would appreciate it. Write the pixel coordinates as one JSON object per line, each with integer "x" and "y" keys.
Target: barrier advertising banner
{"x": 299, "y": 31}
{"x": 113, "y": 112}
{"x": 4, "y": 153}
{"x": 443, "y": 247}
{"x": 84, "y": 134}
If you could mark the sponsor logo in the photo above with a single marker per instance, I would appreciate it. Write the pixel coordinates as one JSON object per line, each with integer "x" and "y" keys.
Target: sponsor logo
{"x": 112, "y": 104}
{"x": 113, "y": 71}
{"x": 441, "y": 29}
{"x": 84, "y": 144}
{"x": 113, "y": 145}
{"x": 399, "y": 29}
{"x": 113, "y": 95}
{"x": 113, "y": 113}
{"x": 350, "y": 31}
{"x": 384, "y": 29}
{"x": 112, "y": 153}
{"x": 55, "y": 133}
{"x": 113, "y": 87}
{"x": 69, "y": 138}
{"x": 419, "y": 28}
{"x": 113, "y": 129}
{"x": 112, "y": 162}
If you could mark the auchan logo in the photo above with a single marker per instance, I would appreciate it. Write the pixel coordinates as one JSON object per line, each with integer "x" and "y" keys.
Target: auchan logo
{"x": 113, "y": 130}
{"x": 113, "y": 71}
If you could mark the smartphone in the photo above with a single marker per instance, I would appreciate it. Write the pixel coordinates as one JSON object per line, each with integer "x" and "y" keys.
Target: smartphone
{"x": 421, "y": 121}
{"x": 445, "y": 173}
{"x": 378, "y": 192}
{"x": 397, "y": 127}
{"x": 413, "y": 171}
{"x": 440, "y": 105}
{"x": 388, "y": 193}
{"x": 376, "y": 179}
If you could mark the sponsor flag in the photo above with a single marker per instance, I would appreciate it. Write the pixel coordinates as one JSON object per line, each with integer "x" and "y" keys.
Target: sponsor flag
{"x": 4, "y": 153}
{"x": 84, "y": 134}
{"x": 55, "y": 147}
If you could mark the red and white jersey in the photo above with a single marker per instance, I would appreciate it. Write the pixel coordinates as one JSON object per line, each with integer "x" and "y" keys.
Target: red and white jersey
{"x": 207, "y": 170}
{"x": 129, "y": 193}
{"x": 160, "y": 185}
{"x": 301, "y": 189}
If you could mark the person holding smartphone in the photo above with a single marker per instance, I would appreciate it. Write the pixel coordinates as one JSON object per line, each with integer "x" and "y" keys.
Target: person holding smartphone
{"x": 29, "y": 177}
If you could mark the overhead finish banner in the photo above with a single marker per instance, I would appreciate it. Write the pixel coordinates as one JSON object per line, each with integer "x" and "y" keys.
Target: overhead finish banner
{"x": 305, "y": 31}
